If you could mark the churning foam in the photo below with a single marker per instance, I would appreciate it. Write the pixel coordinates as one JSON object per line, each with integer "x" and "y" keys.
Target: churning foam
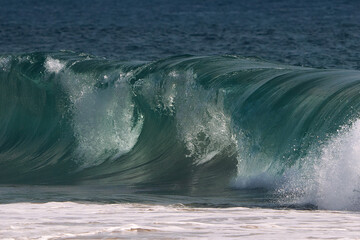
{"x": 53, "y": 65}
{"x": 68, "y": 220}
{"x": 104, "y": 123}
{"x": 337, "y": 171}
{"x": 329, "y": 179}
{"x": 4, "y": 63}
{"x": 202, "y": 123}
{"x": 102, "y": 119}
{"x": 206, "y": 130}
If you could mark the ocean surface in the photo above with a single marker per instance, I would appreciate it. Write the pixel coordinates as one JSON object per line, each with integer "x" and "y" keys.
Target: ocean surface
{"x": 179, "y": 119}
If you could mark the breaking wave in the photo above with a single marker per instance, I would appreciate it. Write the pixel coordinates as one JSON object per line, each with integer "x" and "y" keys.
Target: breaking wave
{"x": 188, "y": 122}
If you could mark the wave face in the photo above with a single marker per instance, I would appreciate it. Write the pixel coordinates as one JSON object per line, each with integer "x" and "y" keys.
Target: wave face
{"x": 186, "y": 122}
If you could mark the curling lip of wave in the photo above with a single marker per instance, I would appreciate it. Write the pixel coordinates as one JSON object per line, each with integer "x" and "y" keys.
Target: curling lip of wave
{"x": 185, "y": 120}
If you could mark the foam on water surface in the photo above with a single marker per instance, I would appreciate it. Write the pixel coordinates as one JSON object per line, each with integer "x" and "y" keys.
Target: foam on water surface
{"x": 53, "y": 65}
{"x": 68, "y": 220}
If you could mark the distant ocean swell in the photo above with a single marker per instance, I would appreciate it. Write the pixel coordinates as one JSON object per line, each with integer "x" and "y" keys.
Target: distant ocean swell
{"x": 186, "y": 122}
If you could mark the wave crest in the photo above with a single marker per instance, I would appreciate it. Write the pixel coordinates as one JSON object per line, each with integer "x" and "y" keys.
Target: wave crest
{"x": 193, "y": 122}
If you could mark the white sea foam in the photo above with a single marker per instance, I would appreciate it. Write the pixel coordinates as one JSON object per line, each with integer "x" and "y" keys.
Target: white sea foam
{"x": 336, "y": 174}
{"x": 4, "y": 63}
{"x": 68, "y": 220}
{"x": 329, "y": 179}
{"x": 102, "y": 119}
{"x": 53, "y": 65}
{"x": 201, "y": 119}
{"x": 202, "y": 123}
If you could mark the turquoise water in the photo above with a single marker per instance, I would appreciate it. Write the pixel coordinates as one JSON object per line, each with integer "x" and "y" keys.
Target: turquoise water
{"x": 189, "y": 125}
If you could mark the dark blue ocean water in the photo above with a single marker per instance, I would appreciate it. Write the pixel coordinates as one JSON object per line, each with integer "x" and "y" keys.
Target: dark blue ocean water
{"x": 323, "y": 34}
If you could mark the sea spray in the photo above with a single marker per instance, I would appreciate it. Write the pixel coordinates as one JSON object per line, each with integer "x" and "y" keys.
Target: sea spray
{"x": 329, "y": 175}
{"x": 194, "y": 124}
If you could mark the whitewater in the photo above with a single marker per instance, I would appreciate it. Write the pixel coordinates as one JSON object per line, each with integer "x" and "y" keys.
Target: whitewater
{"x": 68, "y": 220}
{"x": 183, "y": 147}
{"x": 74, "y": 119}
